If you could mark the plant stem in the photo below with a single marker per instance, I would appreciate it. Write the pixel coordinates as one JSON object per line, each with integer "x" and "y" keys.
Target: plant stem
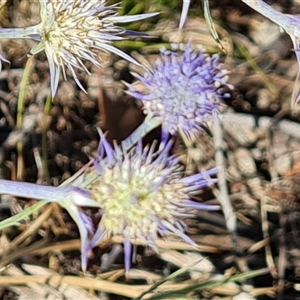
{"x": 149, "y": 124}
{"x": 30, "y": 32}
{"x": 34, "y": 191}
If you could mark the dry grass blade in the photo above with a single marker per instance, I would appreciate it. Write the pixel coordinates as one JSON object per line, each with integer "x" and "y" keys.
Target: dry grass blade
{"x": 42, "y": 276}
{"x": 222, "y": 194}
{"x": 47, "y": 291}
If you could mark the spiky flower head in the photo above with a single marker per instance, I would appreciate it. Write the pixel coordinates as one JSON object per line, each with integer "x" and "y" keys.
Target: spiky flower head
{"x": 142, "y": 194}
{"x": 182, "y": 88}
{"x": 75, "y": 30}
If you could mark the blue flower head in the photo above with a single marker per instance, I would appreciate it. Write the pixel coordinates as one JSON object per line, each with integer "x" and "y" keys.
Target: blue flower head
{"x": 142, "y": 194}
{"x": 182, "y": 89}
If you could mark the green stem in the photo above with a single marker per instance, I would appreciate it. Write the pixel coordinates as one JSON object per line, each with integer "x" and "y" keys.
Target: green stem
{"x": 14, "y": 220}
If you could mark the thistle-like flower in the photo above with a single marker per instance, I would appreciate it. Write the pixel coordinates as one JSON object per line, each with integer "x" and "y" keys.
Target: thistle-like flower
{"x": 75, "y": 30}
{"x": 182, "y": 89}
{"x": 143, "y": 194}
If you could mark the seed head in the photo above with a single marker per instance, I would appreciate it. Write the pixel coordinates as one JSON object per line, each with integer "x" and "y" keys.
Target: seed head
{"x": 75, "y": 30}
{"x": 142, "y": 194}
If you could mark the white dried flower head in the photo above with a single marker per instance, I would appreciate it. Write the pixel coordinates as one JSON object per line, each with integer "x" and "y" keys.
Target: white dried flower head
{"x": 143, "y": 194}
{"x": 75, "y": 30}
{"x": 182, "y": 89}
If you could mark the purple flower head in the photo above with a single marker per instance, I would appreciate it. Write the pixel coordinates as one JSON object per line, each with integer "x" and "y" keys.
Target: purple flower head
{"x": 182, "y": 89}
{"x": 143, "y": 194}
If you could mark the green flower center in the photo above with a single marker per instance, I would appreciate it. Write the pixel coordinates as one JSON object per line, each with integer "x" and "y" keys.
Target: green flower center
{"x": 131, "y": 205}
